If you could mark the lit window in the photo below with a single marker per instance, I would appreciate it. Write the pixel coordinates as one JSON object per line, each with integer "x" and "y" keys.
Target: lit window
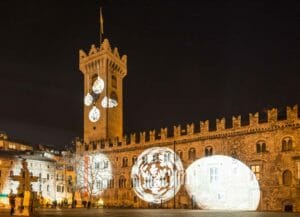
{"x": 12, "y": 146}
{"x": 213, "y": 174}
{"x": 256, "y": 170}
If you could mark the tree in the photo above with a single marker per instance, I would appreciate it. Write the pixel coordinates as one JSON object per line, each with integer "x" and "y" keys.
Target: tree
{"x": 94, "y": 172}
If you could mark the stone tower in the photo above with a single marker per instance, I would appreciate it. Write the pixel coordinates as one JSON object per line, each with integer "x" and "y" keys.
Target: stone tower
{"x": 103, "y": 70}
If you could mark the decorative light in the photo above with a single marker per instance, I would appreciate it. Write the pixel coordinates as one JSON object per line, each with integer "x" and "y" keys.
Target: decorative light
{"x": 108, "y": 102}
{"x": 94, "y": 114}
{"x": 98, "y": 85}
{"x": 88, "y": 99}
{"x": 157, "y": 175}
{"x": 222, "y": 183}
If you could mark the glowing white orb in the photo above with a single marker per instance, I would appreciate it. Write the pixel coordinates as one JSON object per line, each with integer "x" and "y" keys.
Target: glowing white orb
{"x": 157, "y": 175}
{"x": 88, "y": 99}
{"x": 94, "y": 114}
{"x": 108, "y": 102}
{"x": 222, "y": 183}
{"x": 98, "y": 85}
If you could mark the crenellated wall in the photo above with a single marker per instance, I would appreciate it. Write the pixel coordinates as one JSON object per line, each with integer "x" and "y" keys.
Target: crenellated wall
{"x": 179, "y": 133}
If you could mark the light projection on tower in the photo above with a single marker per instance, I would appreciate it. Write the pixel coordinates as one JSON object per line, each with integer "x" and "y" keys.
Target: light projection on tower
{"x": 88, "y": 99}
{"x": 157, "y": 175}
{"x": 94, "y": 114}
{"x": 98, "y": 85}
{"x": 222, "y": 183}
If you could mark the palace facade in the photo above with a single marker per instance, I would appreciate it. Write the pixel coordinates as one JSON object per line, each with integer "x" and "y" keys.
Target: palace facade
{"x": 266, "y": 143}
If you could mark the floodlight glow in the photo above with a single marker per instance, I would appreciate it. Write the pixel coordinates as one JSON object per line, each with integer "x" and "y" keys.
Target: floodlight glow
{"x": 108, "y": 102}
{"x": 94, "y": 173}
{"x": 94, "y": 114}
{"x": 222, "y": 183}
{"x": 88, "y": 99}
{"x": 98, "y": 85}
{"x": 157, "y": 175}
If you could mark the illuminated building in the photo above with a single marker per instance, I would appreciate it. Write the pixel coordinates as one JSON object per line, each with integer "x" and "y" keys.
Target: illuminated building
{"x": 54, "y": 171}
{"x": 268, "y": 146}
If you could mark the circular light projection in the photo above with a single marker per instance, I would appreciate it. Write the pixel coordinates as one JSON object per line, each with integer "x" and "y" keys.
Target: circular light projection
{"x": 94, "y": 114}
{"x": 94, "y": 173}
{"x": 222, "y": 183}
{"x": 157, "y": 175}
{"x": 88, "y": 99}
{"x": 108, "y": 102}
{"x": 98, "y": 85}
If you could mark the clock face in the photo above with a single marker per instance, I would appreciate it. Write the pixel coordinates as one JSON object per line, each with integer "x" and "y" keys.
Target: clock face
{"x": 98, "y": 85}
{"x": 88, "y": 99}
{"x": 94, "y": 114}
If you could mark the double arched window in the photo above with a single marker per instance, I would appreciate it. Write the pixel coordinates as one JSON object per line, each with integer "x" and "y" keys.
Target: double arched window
{"x": 122, "y": 182}
{"x": 261, "y": 146}
{"x": 286, "y": 144}
{"x": 192, "y": 154}
{"x": 125, "y": 162}
{"x": 208, "y": 151}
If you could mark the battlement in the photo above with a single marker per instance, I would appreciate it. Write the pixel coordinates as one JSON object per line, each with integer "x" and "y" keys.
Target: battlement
{"x": 254, "y": 123}
{"x": 94, "y": 58}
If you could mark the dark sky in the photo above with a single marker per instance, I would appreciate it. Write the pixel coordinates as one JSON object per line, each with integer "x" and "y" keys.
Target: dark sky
{"x": 187, "y": 61}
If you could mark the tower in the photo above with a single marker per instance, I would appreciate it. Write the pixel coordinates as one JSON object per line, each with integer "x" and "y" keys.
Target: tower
{"x": 103, "y": 70}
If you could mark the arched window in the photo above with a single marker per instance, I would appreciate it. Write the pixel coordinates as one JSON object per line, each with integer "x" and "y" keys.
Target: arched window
{"x": 114, "y": 81}
{"x": 287, "y": 178}
{"x": 208, "y": 151}
{"x": 134, "y": 159}
{"x": 180, "y": 154}
{"x": 122, "y": 182}
{"x": 287, "y": 144}
{"x": 192, "y": 154}
{"x": 261, "y": 146}
{"x": 125, "y": 162}
{"x": 134, "y": 181}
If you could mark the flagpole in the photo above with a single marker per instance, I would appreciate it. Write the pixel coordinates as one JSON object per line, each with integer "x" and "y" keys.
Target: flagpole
{"x": 101, "y": 25}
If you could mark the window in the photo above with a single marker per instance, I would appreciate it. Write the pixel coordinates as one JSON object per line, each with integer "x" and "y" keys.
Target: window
{"x": 213, "y": 174}
{"x": 256, "y": 170}
{"x": 134, "y": 182}
{"x": 48, "y": 177}
{"x": 287, "y": 144}
{"x": 114, "y": 81}
{"x": 134, "y": 159}
{"x": 86, "y": 147}
{"x": 47, "y": 187}
{"x": 125, "y": 162}
{"x": 12, "y": 146}
{"x": 122, "y": 182}
{"x": 261, "y": 147}
{"x": 180, "y": 154}
{"x": 208, "y": 151}
{"x": 11, "y": 173}
{"x": 287, "y": 178}
{"x": 166, "y": 157}
{"x": 111, "y": 183}
{"x": 94, "y": 146}
{"x": 192, "y": 154}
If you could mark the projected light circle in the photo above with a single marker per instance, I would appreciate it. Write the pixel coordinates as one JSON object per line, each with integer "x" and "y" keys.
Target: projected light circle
{"x": 88, "y": 99}
{"x": 222, "y": 183}
{"x": 157, "y": 175}
{"x": 98, "y": 85}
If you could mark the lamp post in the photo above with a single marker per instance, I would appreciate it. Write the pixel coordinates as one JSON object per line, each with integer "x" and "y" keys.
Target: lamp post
{"x": 174, "y": 172}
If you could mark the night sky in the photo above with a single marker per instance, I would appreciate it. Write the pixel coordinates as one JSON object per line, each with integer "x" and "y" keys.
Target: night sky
{"x": 187, "y": 61}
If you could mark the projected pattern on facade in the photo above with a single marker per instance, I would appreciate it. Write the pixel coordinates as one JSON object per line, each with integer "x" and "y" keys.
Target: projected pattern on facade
{"x": 94, "y": 173}
{"x": 222, "y": 183}
{"x": 157, "y": 175}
